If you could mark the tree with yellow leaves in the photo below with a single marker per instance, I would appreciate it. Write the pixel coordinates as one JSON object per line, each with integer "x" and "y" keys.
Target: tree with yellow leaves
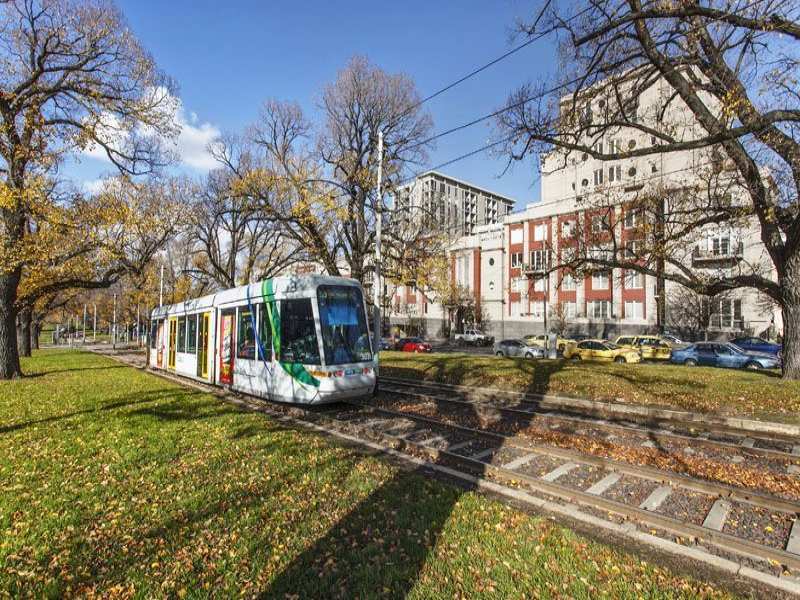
{"x": 72, "y": 76}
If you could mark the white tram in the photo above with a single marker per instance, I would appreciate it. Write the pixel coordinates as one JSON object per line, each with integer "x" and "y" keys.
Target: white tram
{"x": 297, "y": 339}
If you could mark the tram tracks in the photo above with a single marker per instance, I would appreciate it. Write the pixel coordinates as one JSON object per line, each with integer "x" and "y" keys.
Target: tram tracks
{"x": 720, "y": 525}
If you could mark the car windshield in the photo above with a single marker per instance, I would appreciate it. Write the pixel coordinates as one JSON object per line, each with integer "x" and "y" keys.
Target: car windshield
{"x": 610, "y": 346}
{"x": 734, "y": 348}
{"x": 345, "y": 337}
{"x": 416, "y": 340}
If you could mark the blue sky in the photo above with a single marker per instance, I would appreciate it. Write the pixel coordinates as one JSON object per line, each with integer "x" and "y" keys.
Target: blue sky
{"x": 228, "y": 57}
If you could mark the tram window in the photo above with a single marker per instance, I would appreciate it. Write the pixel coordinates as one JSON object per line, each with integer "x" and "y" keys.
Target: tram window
{"x": 345, "y": 337}
{"x": 153, "y": 334}
{"x": 264, "y": 333}
{"x": 191, "y": 335}
{"x": 245, "y": 335}
{"x": 182, "y": 334}
{"x": 298, "y": 332}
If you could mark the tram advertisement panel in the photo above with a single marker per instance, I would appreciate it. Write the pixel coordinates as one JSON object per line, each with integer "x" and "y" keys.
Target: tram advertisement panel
{"x": 226, "y": 348}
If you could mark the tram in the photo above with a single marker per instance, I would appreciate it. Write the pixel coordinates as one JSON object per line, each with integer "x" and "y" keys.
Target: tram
{"x": 300, "y": 339}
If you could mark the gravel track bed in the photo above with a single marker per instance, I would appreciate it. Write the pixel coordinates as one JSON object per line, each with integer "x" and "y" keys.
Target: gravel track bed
{"x": 758, "y": 525}
{"x": 540, "y": 465}
{"x": 630, "y": 490}
{"x": 583, "y": 477}
{"x": 691, "y": 507}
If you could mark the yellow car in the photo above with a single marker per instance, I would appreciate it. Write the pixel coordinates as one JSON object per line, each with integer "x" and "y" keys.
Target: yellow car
{"x": 601, "y": 350}
{"x": 651, "y": 347}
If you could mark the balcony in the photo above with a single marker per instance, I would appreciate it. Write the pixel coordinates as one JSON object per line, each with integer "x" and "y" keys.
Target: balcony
{"x": 723, "y": 255}
{"x": 534, "y": 269}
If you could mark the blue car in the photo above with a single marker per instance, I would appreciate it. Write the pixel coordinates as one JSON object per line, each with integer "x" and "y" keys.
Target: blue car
{"x": 757, "y": 344}
{"x": 723, "y": 354}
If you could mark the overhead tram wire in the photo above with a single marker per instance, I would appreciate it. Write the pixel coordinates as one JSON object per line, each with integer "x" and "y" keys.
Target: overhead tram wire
{"x": 491, "y": 63}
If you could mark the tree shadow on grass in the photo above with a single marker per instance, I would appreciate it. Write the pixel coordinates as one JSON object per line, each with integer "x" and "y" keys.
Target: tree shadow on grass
{"x": 125, "y": 401}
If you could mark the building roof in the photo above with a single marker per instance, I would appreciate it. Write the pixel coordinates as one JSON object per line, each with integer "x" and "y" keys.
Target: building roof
{"x": 465, "y": 183}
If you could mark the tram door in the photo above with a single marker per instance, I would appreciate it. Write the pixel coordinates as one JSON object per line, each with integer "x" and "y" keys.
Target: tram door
{"x": 226, "y": 345}
{"x": 202, "y": 350}
{"x": 173, "y": 332}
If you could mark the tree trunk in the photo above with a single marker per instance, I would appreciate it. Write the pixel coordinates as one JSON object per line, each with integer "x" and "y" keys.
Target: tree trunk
{"x": 36, "y": 330}
{"x": 9, "y": 355}
{"x": 25, "y": 317}
{"x": 790, "y": 305}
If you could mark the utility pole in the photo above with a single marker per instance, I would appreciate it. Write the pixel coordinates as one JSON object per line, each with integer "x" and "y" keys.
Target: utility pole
{"x": 114, "y": 325}
{"x": 376, "y": 346}
{"x": 161, "y": 289}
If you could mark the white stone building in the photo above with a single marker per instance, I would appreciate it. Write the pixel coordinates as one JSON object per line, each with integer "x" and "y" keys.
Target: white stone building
{"x": 501, "y": 260}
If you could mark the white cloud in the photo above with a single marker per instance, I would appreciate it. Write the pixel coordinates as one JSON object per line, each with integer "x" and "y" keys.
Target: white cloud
{"x": 190, "y": 145}
{"x": 93, "y": 186}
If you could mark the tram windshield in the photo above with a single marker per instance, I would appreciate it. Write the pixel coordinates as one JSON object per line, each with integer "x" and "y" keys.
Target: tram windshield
{"x": 345, "y": 337}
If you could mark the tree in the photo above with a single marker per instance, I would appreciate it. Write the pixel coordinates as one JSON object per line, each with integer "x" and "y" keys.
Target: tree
{"x": 733, "y": 68}
{"x": 559, "y": 317}
{"x": 92, "y": 242}
{"x": 72, "y": 75}
{"x": 232, "y": 241}
{"x": 319, "y": 182}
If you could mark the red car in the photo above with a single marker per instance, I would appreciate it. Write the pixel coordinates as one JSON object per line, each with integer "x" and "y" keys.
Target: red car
{"x": 412, "y": 345}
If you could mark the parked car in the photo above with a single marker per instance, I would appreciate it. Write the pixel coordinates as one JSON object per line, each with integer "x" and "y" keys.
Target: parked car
{"x": 412, "y": 345}
{"x": 672, "y": 340}
{"x": 650, "y": 347}
{"x": 601, "y": 350}
{"x": 387, "y": 344}
{"x": 541, "y": 341}
{"x": 518, "y": 348}
{"x": 757, "y": 344}
{"x": 723, "y": 354}
{"x": 474, "y": 337}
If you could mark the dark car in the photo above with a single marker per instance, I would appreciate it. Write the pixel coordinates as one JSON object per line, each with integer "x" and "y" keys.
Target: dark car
{"x": 722, "y": 354}
{"x": 757, "y": 344}
{"x": 412, "y": 345}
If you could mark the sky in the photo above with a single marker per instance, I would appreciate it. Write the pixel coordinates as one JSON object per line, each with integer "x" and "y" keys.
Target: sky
{"x": 229, "y": 57}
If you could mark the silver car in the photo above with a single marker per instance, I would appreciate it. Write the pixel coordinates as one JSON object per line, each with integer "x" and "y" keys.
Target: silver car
{"x": 517, "y": 348}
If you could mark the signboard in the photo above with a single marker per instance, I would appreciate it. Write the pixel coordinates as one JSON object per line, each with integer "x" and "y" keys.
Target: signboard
{"x": 226, "y": 349}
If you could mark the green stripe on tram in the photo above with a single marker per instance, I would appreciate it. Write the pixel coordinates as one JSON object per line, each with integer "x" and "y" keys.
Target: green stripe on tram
{"x": 295, "y": 370}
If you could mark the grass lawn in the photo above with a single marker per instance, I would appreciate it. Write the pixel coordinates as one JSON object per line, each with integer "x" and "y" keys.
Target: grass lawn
{"x": 758, "y": 394}
{"x": 116, "y": 483}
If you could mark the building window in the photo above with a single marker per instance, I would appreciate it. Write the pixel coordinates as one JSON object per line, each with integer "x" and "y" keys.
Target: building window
{"x": 568, "y": 283}
{"x": 570, "y": 309}
{"x": 598, "y": 176}
{"x": 516, "y": 235}
{"x": 182, "y": 334}
{"x": 720, "y": 245}
{"x": 599, "y": 309}
{"x": 632, "y": 172}
{"x": 264, "y": 333}
{"x": 191, "y": 334}
{"x": 634, "y": 281}
{"x": 634, "y": 310}
{"x": 515, "y": 308}
{"x": 539, "y": 284}
{"x": 537, "y": 310}
{"x": 598, "y": 147}
{"x": 539, "y": 260}
{"x": 633, "y": 217}
{"x": 567, "y": 229}
{"x": 516, "y": 260}
{"x": 540, "y": 232}
{"x": 600, "y": 280}
{"x": 491, "y": 262}
{"x": 585, "y": 182}
{"x": 599, "y": 223}
{"x": 632, "y": 248}
{"x": 518, "y": 285}
{"x": 615, "y": 173}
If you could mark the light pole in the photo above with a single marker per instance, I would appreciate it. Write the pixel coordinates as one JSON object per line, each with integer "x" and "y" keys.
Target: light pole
{"x": 376, "y": 333}
{"x": 84, "y": 323}
{"x": 161, "y": 288}
{"x": 94, "y": 325}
